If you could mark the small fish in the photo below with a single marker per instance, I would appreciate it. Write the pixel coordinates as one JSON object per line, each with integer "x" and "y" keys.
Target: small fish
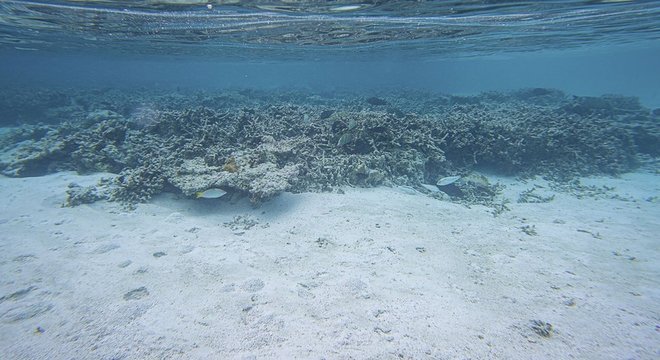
{"x": 349, "y": 7}
{"x": 345, "y": 139}
{"x": 448, "y": 180}
{"x": 210, "y": 194}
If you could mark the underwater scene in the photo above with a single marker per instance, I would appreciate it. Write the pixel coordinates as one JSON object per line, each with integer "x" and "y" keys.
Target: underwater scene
{"x": 292, "y": 179}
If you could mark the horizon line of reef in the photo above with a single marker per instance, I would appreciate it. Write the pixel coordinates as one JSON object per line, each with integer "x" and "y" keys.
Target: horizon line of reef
{"x": 260, "y": 143}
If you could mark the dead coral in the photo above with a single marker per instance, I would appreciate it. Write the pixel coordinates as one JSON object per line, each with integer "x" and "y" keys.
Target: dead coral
{"x": 230, "y": 166}
{"x": 137, "y": 185}
{"x": 262, "y": 143}
{"x": 519, "y": 138}
{"x": 256, "y": 176}
{"x": 77, "y": 195}
{"x": 541, "y": 328}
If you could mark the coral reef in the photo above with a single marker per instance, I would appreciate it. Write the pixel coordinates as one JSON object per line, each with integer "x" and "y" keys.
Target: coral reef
{"x": 78, "y": 195}
{"x": 261, "y": 143}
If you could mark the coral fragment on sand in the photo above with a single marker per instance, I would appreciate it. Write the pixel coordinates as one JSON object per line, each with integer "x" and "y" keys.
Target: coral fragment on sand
{"x": 542, "y": 328}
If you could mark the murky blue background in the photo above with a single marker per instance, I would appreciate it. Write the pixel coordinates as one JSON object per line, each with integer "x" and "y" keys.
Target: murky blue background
{"x": 458, "y": 47}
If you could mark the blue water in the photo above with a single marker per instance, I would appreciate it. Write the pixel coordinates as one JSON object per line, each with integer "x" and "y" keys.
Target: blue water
{"x": 581, "y": 47}
{"x": 311, "y": 179}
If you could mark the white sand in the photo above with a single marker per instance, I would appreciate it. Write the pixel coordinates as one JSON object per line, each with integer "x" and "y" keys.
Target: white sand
{"x": 373, "y": 273}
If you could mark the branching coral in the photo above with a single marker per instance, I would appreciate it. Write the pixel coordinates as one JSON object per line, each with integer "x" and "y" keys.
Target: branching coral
{"x": 263, "y": 143}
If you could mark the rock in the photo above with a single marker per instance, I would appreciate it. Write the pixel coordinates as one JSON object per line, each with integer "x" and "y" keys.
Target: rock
{"x": 253, "y": 285}
{"x": 136, "y": 294}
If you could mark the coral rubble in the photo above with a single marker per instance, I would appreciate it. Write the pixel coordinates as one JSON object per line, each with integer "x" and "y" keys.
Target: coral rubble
{"x": 262, "y": 143}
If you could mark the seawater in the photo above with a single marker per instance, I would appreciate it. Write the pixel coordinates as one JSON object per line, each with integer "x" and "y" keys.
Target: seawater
{"x": 580, "y": 47}
{"x": 387, "y": 179}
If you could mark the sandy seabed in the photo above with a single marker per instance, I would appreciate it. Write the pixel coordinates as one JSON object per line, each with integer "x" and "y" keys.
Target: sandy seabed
{"x": 383, "y": 273}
